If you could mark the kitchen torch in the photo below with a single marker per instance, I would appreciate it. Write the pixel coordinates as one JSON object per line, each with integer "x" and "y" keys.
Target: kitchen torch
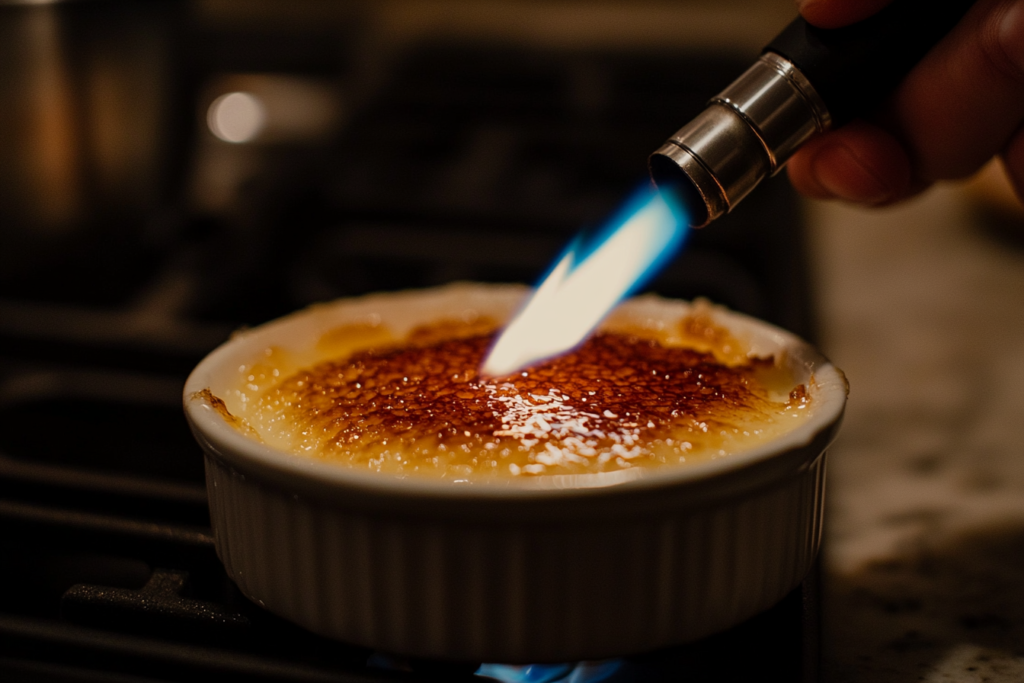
{"x": 806, "y": 81}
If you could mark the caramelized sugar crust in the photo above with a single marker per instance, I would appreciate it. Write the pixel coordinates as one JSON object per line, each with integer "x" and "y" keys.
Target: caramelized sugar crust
{"x": 616, "y": 402}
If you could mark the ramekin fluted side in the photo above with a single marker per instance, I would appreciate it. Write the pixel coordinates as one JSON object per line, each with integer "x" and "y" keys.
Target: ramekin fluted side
{"x": 524, "y": 570}
{"x": 454, "y": 588}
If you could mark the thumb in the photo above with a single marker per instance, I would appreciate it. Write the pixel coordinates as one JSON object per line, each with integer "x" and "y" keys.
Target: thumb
{"x": 836, "y": 13}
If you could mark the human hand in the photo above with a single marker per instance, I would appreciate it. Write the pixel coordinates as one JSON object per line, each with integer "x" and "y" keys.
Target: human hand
{"x": 959, "y": 107}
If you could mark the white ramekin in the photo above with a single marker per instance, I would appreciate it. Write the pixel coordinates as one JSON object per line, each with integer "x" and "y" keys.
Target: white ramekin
{"x": 531, "y": 570}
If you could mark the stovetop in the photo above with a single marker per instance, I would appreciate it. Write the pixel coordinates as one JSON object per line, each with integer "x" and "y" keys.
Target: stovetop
{"x": 460, "y": 161}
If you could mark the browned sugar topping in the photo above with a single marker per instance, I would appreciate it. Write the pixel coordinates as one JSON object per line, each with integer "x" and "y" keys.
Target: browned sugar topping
{"x": 608, "y": 398}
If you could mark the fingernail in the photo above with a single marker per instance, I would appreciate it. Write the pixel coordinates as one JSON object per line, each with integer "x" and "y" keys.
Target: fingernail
{"x": 1011, "y": 34}
{"x": 842, "y": 174}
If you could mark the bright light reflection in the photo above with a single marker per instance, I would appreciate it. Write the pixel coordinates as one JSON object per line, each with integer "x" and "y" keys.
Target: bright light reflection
{"x": 236, "y": 117}
{"x": 589, "y": 280}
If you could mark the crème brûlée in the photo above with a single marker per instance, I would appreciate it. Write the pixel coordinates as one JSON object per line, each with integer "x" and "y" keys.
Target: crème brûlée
{"x": 628, "y": 397}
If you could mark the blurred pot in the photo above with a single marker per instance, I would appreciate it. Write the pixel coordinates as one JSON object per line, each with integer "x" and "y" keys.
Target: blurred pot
{"x": 88, "y": 91}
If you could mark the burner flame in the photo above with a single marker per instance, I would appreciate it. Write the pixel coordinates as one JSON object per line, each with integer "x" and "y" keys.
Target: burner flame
{"x": 608, "y": 671}
{"x": 591, "y": 277}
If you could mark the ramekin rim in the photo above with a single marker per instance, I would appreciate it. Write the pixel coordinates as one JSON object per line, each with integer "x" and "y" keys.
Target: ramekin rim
{"x": 246, "y": 454}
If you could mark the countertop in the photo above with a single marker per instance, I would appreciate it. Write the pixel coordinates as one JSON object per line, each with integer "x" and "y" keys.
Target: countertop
{"x": 923, "y": 308}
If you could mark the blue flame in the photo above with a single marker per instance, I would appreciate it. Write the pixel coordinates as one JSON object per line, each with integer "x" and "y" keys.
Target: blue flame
{"x": 608, "y": 671}
{"x": 528, "y": 673}
{"x": 595, "y": 272}
{"x": 662, "y": 241}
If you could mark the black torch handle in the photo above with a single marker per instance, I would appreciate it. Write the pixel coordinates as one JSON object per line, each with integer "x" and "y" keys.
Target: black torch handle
{"x": 855, "y": 67}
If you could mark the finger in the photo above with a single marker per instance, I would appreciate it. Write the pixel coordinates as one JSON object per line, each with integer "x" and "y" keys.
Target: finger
{"x": 959, "y": 107}
{"x": 1013, "y": 162}
{"x": 859, "y": 163}
{"x": 836, "y": 13}
{"x": 962, "y": 103}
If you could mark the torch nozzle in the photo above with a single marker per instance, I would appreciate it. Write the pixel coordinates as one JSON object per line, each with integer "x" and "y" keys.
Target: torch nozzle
{"x": 747, "y": 132}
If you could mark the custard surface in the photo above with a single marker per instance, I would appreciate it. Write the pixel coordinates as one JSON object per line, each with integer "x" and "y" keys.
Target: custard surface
{"x": 623, "y": 399}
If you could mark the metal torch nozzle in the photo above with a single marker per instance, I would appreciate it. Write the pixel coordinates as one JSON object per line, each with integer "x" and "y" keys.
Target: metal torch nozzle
{"x": 747, "y": 132}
